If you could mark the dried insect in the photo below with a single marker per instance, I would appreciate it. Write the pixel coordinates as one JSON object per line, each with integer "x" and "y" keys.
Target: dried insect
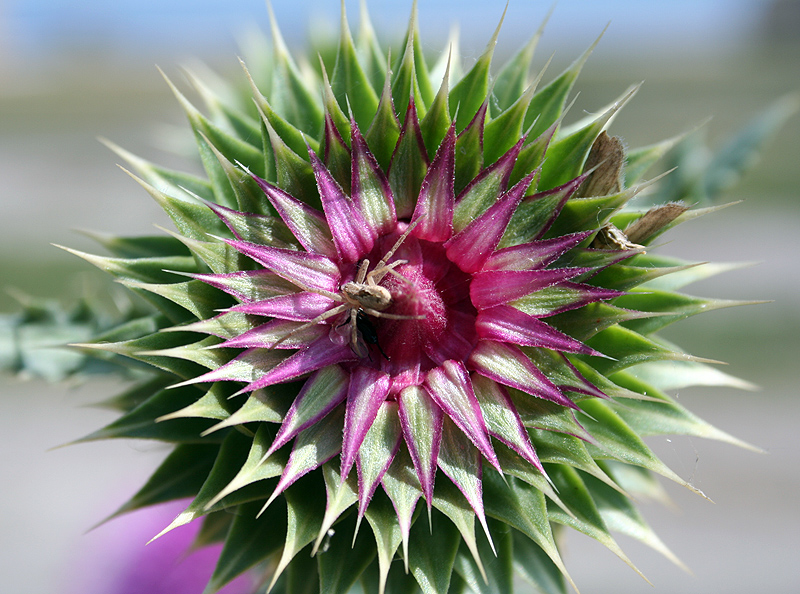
{"x": 654, "y": 221}
{"x": 606, "y": 160}
{"x": 362, "y": 297}
{"x": 367, "y": 330}
{"x": 609, "y": 237}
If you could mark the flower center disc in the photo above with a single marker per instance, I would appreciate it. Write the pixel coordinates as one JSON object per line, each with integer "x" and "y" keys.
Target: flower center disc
{"x": 433, "y": 287}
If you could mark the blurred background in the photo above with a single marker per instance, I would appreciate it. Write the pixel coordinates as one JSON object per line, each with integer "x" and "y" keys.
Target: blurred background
{"x": 71, "y": 72}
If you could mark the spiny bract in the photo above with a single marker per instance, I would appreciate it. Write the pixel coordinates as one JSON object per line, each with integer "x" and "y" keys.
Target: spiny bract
{"x": 403, "y": 283}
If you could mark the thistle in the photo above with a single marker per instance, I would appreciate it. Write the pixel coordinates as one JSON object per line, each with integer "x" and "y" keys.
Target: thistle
{"x": 409, "y": 296}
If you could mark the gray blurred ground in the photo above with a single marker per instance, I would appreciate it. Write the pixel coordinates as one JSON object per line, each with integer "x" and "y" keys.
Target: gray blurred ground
{"x": 55, "y": 176}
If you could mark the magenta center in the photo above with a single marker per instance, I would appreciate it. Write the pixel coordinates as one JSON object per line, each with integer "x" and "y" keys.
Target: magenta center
{"x": 428, "y": 285}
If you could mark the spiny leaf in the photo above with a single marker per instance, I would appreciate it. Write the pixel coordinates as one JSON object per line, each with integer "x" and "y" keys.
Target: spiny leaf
{"x": 676, "y": 375}
{"x": 405, "y": 86}
{"x": 534, "y": 564}
{"x": 523, "y": 508}
{"x": 741, "y": 151}
{"x": 257, "y": 467}
{"x": 452, "y": 504}
{"x": 369, "y": 50}
{"x": 180, "y": 475}
{"x": 206, "y": 134}
{"x": 294, "y": 173}
{"x": 145, "y": 246}
{"x": 469, "y": 93}
{"x": 249, "y": 198}
{"x": 249, "y": 541}
{"x": 164, "y": 180}
{"x": 293, "y": 97}
{"x": 223, "y": 104}
{"x": 620, "y": 515}
{"x": 512, "y": 80}
{"x": 499, "y": 572}
{"x": 567, "y": 450}
{"x": 349, "y": 81}
{"x": 469, "y": 149}
{"x": 566, "y": 156}
{"x": 433, "y": 572}
{"x": 305, "y": 515}
{"x": 409, "y": 164}
{"x": 141, "y": 423}
{"x": 294, "y": 137}
{"x": 388, "y": 534}
{"x": 616, "y": 440}
{"x": 437, "y": 120}
{"x": 626, "y": 348}
{"x": 384, "y": 130}
{"x": 231, "y": 453}
{"x": 677, "y": 305}
{"x": 662, "y": 415}
{"x": 191, "y": 218}
{"x": 547, "y": 104}
{"x": 585, "y": 517}
{"x": 214, "y": 404}
{"x": 341, "y": 565}
{"x": 200, "y": 299}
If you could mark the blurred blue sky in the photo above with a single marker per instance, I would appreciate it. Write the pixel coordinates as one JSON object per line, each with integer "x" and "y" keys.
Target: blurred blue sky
{"x": 38, "y": 30}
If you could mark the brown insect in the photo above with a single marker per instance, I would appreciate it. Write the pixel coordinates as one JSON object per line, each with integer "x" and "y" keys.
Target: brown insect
{"x": 363, "y": 296}
{"x": 609, "y": 237}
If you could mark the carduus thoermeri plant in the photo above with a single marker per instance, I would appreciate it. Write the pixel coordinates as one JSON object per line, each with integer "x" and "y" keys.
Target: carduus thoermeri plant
{"x": 412, "y": 296}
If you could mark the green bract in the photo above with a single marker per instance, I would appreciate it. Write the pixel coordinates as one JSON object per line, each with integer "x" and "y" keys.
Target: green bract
{"x": 406, "y": 294}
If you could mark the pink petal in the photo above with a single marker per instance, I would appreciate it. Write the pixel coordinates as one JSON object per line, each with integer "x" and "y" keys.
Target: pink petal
{"x": 368, "y": 390}
{"x": 507, "y": 324}
{"x": 588, "y": 387}
{"x": 300, "y": 307}
{"x": 225, "y": 214}
{"x": 502, "y": 168}
{"x": 478, "y": 120}
{"x": 536, "y": 254}
{"x": 352, "y": 236}
{"x": 405, "y": 179}
{"x": 436, "y": 197}
{"x": 496, "y": 287}
{"x": 475, "y": 244}
{"x": 249, "y": 285}
{"x": 321, "y": 393}
{"x": 304, "y": 269}
{"x": 508, "y": 365}
{"x": 463, "y": 465}
{"x": 313, "y": 447}
{"x": 370, "y": 188}
{"x": 318, "y": 354}
{"x": 563, "y": 193}
{"x": 307, "y": 224}
{"x": 248, "y": 366}
{"x": 503, "y": 420}
{"x": 570, "y": 296}
{"x": 421, "y": 420}
{"x": 372, "y": 462}
{"x": 451, "y": 388}
{"x": 266, "y": 335}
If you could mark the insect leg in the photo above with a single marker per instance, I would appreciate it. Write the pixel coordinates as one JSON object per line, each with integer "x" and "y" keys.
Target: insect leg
{"x": 355, "y": 345}
{"x": 381, "y": 272}
{"x": 323, "y": 316}
{"x": 362, "y": 272}
{"x": 368, "y": 332}
{"x": 388, "y": 316}
{"x": 396, "y": 246}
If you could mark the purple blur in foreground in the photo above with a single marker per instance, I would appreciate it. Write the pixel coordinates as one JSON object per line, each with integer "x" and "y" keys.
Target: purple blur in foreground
{"x": 118, "y": 560}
